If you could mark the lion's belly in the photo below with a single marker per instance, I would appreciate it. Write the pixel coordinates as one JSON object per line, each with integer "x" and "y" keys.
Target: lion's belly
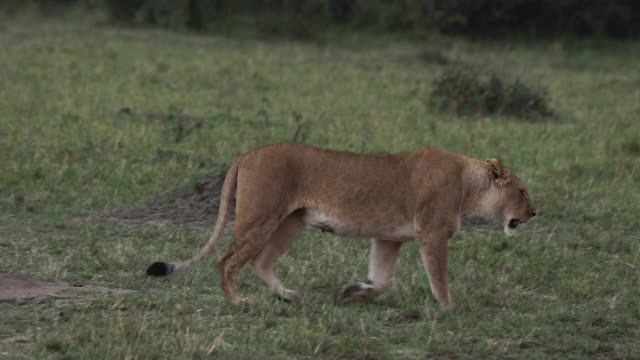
{"x": 361, "y": 228}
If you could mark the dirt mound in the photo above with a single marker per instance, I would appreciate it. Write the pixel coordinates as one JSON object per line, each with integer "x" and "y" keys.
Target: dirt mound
{"x": 196, "y": 204}
{"x": 13, "y": 287}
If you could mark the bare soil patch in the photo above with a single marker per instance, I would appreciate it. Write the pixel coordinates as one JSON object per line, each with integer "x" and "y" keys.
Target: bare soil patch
{"x": 195, "y": 204}
{"x": 15, "y": 287}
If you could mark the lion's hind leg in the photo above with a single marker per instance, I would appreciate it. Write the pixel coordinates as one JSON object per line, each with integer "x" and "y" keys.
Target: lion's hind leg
{"x": 280, "y": 240}
{"x": 248, "y": 239}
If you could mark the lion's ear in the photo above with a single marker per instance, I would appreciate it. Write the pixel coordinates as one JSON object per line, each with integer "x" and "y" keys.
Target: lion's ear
{"x": 498, "y": 172}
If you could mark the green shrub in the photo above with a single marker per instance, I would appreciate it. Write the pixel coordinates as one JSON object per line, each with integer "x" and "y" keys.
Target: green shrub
{"x": 620, "y": 18}
{"x": 123, "y": 11}
{"x": 469, "y": 90}
{"x": 478, "y": 17}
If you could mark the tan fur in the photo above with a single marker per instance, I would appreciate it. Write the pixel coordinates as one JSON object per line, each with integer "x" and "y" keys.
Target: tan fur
{"x": 391, "y": 199}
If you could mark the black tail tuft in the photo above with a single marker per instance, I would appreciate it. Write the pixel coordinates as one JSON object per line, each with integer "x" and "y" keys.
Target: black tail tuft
{"x": 159, "y": 269}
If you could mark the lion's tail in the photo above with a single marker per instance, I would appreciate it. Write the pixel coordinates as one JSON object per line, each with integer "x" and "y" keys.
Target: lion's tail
{"x": 228, "y": 192}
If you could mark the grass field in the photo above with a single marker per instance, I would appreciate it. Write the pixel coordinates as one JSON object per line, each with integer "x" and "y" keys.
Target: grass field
{"x": 95, "y": 118}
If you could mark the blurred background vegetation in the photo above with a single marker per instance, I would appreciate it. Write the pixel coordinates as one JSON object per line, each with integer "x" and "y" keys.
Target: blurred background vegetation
{"x": 305, "y": 18}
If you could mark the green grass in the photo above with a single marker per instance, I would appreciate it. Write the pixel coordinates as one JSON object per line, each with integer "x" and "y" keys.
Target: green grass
{"x": 567, "y": 286}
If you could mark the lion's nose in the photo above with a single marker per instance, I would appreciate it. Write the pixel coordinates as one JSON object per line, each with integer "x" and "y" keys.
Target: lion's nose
{"x": 533, "y": 213}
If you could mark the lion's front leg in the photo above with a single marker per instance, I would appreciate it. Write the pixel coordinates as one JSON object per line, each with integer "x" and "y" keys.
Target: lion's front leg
{"x": 434, "y": 246}
{"x": 382, "y": 260}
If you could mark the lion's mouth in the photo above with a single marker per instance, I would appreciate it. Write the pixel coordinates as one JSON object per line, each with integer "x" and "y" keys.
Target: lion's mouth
{"x": 513, "y": 223}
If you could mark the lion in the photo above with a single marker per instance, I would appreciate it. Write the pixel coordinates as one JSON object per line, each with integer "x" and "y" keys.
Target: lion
{"x": 391, "y": 199}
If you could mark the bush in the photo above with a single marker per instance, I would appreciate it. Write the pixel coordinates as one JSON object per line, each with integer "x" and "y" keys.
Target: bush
{"x": 161, "y": 13}
{"x": 620, "y": 18}
{"x": 123, "y": 11}
{"x": 544, "y": 17}
{"x": 293, "y": 18}
{"x": 468, "y": 90}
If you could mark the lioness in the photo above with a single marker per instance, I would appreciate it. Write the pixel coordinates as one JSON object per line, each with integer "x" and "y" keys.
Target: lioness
{"x": 390, "y": 199}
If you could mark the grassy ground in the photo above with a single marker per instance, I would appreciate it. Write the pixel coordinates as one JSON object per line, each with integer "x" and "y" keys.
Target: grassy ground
{"x": 95, "y": 118}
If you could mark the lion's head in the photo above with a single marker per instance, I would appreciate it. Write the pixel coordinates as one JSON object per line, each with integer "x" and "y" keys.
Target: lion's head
{"x": 507, "y": 198}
